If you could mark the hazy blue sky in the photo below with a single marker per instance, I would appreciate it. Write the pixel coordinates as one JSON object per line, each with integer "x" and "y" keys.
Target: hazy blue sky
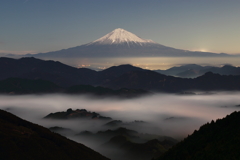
{"x": 46, "y": 25}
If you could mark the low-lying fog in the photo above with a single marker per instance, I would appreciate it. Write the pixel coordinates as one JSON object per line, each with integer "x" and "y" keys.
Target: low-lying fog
{"x": 172, "y": 115}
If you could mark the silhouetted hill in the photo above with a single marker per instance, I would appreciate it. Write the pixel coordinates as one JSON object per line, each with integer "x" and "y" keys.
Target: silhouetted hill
{"x": 75, "y": 114}
{"x": 149, "y": 80}
{"x": 106, "y": 135}
{"x": 123, "y": 143}
{"x": 63, "y": 131}
{"x": 26, "y": 86}
{"x": 32, "y": 68}
{"x": 114, "y": 123}
{"x": 215, "y": 140}
{"x": 174, "y": 71}
{"x": 193, "y": 70}
{"x": 210, "y": 81}
{"x": 111, "y": 73}
{"x": 102, "y": 91}
{"x": 58, "y": 129}
{"x": 190, "y": 73}
{"x": 224, "y": 70}
{"x": 120, "y": 147}
{"x": 21, "y": 139}
{"x": 61, "y": 74}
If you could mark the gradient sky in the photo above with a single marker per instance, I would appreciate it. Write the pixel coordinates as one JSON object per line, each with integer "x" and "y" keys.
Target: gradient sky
{"x": 33, "y": 26}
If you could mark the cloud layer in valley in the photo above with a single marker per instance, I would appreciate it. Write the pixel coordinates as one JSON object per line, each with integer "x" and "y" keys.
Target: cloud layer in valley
{"x": 171, "y": 115}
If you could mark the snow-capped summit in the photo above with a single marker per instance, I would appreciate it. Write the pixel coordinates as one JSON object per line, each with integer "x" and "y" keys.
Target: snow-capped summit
{"x": 121, "y": 43}
{"x": 119, "y": 36}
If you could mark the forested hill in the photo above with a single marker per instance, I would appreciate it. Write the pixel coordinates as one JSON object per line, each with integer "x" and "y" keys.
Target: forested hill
{"x": 216, "y": 140}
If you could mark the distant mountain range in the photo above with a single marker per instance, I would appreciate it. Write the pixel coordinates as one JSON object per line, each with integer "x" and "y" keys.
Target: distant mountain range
{"x": 121, "y": 43}
{"x": 21, "y": 139}
{"x": 193, "y": 70}
{"x": 133, "y": 79}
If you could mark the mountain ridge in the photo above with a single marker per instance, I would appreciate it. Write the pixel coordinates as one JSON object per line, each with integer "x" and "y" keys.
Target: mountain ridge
{"x": 116, "y": 77}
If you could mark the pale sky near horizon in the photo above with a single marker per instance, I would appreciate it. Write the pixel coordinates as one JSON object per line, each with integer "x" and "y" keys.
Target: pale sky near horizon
{"x": 34, "y": 26}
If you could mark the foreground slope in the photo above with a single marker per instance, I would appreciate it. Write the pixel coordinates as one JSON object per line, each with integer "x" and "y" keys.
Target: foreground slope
{"x": 216, "y": 140}
{"x": 21, "y": 139}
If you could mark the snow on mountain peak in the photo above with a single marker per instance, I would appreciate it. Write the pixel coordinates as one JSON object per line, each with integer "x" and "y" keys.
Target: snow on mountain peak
{"x": 120, "y": 35}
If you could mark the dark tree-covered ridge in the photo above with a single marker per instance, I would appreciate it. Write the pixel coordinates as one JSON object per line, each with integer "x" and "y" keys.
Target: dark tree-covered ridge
{"x": 216, "y": 140}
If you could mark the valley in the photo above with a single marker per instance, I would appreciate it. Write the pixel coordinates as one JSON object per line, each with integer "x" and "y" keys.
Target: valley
{"x": 167, "y": 119}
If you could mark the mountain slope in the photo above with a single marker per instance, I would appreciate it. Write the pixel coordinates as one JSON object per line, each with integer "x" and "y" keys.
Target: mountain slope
{"x": 121, "y": 43}
{"x": 175, "y": 71}
{"x": 120, "y": 147}
{"x": 152, "y": 81}
{"x": 193, "y": 70}
{"x": 21, "y": 139}
{"x": 147, "y": 80}
{"x": 111, "y": 73}
{"x": 59, "y": 73}
{"x": 123, "y": 143}
{"x": 27, "y": 86}
{"x": 102, "y": 91}
{"x": 32, "y": 68}
{"x": 215, "y": 140}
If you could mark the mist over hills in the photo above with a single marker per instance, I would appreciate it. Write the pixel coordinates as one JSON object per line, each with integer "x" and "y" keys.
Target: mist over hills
{"x": 132, "y": 150}
{"x": 132, "y": 78}
{"x": 121, "y": 43}
{"x": 116, "y": 142}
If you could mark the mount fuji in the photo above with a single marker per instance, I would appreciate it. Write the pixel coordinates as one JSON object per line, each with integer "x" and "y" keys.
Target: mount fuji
{"x": 121, "y": 43}
{"x": 121, "y": 36}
